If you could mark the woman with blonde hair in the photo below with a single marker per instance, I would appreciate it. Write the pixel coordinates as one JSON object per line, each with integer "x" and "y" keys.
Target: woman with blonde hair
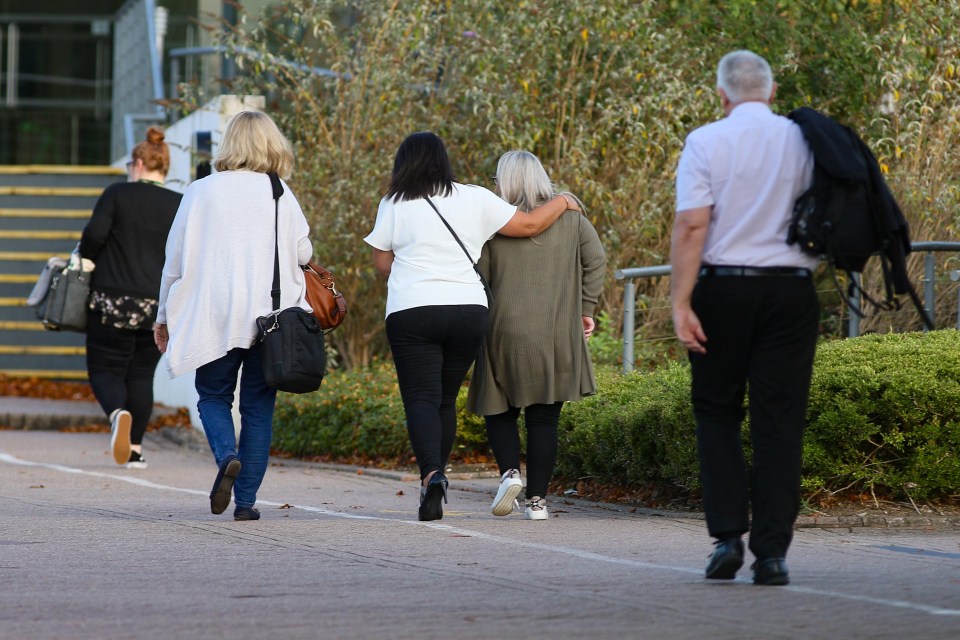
{"x": 217, "y": 280}
{"x": 534, "y": 356}
{"x": 125, "y": 238}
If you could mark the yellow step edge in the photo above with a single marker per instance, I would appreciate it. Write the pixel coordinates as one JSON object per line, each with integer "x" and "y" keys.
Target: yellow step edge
{"x": 36, "y": 350}
{"x": 21, "y": 325}
{"x": 18, "y": 278}
{"x": 62, "y": 169}
{"x": 65, "y": 374}
{"x": 27, "y": 256}
{"x": 44, "y": 213}
{"x": 50, "y": 191}
{"x": 13, "y": 302}
{"x": 40, "y": 235}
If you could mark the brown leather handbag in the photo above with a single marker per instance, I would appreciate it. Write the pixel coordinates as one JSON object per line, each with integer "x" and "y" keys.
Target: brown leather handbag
{"x": 329, "y": 305}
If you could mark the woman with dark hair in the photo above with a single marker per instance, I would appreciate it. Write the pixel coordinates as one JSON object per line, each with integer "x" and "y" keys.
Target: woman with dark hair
{"x": 125, "y": 238}
{"x": 428, "y": 230}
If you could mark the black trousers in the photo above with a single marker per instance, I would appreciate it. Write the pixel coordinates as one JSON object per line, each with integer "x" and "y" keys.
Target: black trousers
{"x": 433, "y": 348}
{"x": 504, "y": 436}
{"x": 121, "y": 364}
{"x": 761, "y": 332}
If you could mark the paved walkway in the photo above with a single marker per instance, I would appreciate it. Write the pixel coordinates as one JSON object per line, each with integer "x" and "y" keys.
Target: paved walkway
{"x": 92, "y": 550}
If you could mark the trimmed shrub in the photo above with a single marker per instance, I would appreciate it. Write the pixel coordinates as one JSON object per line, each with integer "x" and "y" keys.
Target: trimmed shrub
{"x": 358, "y": 414}
{"x": 884, "y": 416}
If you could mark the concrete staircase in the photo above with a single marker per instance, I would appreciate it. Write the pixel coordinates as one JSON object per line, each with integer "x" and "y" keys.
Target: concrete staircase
{"x": 43, "y": 209}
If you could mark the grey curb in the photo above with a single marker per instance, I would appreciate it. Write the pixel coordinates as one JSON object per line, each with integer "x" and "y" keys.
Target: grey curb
{"x": 473, "y": 481}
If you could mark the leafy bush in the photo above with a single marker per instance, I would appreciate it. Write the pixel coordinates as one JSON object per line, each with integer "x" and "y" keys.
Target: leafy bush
{"x": 884, "y": 416}
{"x": 604, "y": 92}
{"x": 358, "y": 415}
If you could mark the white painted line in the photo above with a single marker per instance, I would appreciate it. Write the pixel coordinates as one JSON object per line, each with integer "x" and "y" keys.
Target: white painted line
{"x": 578, "y": 553}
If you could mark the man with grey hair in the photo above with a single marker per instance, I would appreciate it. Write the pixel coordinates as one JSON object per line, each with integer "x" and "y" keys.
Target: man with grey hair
{"x": 745, "y": 308}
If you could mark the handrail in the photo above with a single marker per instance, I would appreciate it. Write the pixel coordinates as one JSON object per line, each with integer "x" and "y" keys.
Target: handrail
{"x": 853, "y": 327}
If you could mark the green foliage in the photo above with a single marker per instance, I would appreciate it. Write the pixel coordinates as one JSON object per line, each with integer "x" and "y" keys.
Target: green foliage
{"x": 884, "y": 414}
{"x": 637, "y": 429}
{"x": 604, "y": 92}
{"x": 358, "y": 414}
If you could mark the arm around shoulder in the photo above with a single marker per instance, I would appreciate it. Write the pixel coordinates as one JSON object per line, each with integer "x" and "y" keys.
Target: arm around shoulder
{"x": 524, "y": 225}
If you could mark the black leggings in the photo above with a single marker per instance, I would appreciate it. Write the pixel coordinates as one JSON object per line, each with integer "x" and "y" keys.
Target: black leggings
{"x": 433, "y": 347}
{"x": 504, "y": 437}
{"x": 121, "y": 363}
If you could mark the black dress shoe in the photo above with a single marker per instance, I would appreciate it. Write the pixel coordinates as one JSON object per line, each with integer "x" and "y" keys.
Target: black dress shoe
{"x": 727, "y": 558}
{"x": 771, "y": 572}
{"x": 223, "y": 484}
{"x": 246, "y": 513}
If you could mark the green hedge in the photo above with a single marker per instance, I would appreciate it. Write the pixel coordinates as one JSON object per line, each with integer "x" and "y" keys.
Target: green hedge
{"x": 358, "y": 414}
{"x": 884, "y": 416}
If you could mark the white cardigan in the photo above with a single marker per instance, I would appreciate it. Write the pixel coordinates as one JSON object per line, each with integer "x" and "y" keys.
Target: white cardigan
{"x": 219, "y": 266}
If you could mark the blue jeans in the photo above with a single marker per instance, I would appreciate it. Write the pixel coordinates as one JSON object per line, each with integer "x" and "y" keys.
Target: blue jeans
{"x": 215, "y": 384}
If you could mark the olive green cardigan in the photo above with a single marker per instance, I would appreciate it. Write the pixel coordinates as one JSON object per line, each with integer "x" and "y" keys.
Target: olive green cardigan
{"x": 535, "y": 351}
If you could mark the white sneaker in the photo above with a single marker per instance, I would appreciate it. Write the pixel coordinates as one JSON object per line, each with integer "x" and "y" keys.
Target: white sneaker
{"x": 510, "y": 486}
{"x": 536, "y": 509}
{"x": 120, "y": 421}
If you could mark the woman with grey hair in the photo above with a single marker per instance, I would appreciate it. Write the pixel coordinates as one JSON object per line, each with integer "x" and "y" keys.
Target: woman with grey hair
{"x": 534, "y": 356}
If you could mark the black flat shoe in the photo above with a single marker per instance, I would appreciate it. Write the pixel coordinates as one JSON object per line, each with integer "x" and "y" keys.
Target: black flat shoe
{"x": 430, "y": 507}
{"x": 726, "y": 560}
{"x": 771, "y": 572}
{"x": 246, "y": 513}
{"x": 223, "y": 486}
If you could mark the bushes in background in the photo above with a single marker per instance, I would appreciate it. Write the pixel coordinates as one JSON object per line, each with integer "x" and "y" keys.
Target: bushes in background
{"x": 884, "y": 416}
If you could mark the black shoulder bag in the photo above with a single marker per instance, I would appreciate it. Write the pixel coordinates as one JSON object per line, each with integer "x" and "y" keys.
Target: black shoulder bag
{"x": 292, "y": 348}
{"x": 483, "y": 281}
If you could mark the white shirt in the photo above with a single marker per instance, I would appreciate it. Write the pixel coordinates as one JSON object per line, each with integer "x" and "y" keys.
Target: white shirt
{"x": 429, "y": 267}
{"x": 219, "y": 266}
{"x": 750, "y": 167}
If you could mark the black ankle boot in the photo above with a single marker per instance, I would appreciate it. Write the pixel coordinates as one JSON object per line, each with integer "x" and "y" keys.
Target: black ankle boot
{"x": 430, "y": 507}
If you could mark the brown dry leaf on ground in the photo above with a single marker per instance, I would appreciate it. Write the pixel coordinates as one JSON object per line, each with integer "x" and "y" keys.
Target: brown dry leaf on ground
{"x": 178, "y": 420}
{"x": 43, "y": 388}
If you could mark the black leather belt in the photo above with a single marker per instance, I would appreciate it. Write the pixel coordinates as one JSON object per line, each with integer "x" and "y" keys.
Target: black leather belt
{"x": 795, "y": 272}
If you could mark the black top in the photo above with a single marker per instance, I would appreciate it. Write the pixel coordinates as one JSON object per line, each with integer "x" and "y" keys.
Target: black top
{"x": 126, "y": 238}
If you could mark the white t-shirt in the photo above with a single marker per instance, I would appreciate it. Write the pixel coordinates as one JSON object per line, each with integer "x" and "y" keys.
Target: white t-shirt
{"x": 429, "y": 267}
{"x": 750, "y": 167}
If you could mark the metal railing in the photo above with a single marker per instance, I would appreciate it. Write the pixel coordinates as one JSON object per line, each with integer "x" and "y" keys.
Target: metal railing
{"x": 853, "y": 326}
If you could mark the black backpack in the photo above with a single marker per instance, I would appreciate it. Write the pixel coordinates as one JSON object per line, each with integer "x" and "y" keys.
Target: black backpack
{"x": 849, "y": 214}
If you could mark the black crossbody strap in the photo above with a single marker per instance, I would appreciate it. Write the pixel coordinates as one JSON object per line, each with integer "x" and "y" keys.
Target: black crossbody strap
{"x": 483, "y": 281}
{"x": 452, "y": 232}
{"x": 277, "y": 192}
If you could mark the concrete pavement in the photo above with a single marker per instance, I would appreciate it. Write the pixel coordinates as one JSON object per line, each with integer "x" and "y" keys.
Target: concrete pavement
{"x": 92, "y": 550}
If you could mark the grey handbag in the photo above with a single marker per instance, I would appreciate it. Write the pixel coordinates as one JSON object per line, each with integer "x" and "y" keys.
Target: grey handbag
{"x": 65, "y": 306}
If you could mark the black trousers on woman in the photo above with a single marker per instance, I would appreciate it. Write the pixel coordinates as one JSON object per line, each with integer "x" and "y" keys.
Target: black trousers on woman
{"x": 121, "y": 364}
{"x": 762, "y": 332}
{"x": 541, "y": 421}
{"x": 433, "y": 348}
